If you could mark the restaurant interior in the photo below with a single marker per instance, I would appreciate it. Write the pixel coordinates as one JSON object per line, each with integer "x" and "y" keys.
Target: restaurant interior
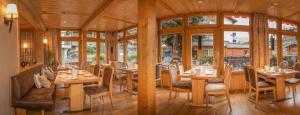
{"x": 147, "y": 57}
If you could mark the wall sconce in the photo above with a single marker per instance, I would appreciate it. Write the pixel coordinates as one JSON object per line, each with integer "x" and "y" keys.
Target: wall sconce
{"x": 10, "y": 15}
{"x": 45, "y": 41}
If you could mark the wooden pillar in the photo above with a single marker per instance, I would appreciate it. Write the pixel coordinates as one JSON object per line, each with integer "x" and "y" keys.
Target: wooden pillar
{"x": 147, "y": 54}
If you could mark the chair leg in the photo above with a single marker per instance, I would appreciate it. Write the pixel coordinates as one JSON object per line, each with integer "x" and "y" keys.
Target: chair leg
{"x": 120, "y": 83}
{"x": 170, "y": 96}
{"x": 256, "y": 98}
{"x": 228, "y": 98}
{"x": 43, "y": 112}
{"x": 111, "y": 101}
{"x": 91, "y": 103}
{"x": 245, "y": 87}
{"x": 161, "y": 83}
{"x": 206, "y": 97}
{"x": 250, "y": 91}
{"x": 274, "y": 94}
{"x": 188, "y": 96}
{"x": 294, "y": 91}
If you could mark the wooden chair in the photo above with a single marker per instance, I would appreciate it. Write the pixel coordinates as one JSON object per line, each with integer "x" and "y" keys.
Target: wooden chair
{"x": 103, "y": 89}
{"x": 259, "y": 86}
{"x": 247, "y": 84}
{"x": 178, "y": 86}
{"x": 284, "y": 65}
{"x": 294, "y": 82}
{"x": 220, "y": 89}
{"x": 158, "y": 74}
{"x": 119, "y": 74}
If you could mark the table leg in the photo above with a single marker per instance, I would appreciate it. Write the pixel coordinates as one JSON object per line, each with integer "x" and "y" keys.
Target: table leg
{"x": 198, "y": 90}
{"x": 280, "y": 88}
{"x": 129, "y": 81}
{"x": 76, "y": 97}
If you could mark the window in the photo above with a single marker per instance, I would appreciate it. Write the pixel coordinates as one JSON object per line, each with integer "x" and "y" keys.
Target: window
{"x": 120, "y": 47}
{"x": 202, "y": 20}
{"x": 236, "y": 47}
{"x": 69, "y": 52}
{"x": 202, "y": 49}
{"x": 171, "y": 48}
{"x": 272, "y": 24}
{"x": 91, "y": 35}
{"x": 102, "y": 48}
{"x": 171, "y": 23}
{"x": 91, "y": 52}
{"x": 69, "y": 33}
{"x": 132, "y": 31}
{"x": 236, "y": 20}
{"x": 131, "y": 52}
{"x": 289, "y": 27}
{"x": 273, "y": 49}
{"x": 290, "y": 49}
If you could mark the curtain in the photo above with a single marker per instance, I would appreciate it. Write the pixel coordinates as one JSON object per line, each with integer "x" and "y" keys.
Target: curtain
{"x": 259, "y": 42}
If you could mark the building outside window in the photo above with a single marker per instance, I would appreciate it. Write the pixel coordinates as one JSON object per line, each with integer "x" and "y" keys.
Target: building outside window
{"x": 202, "y": 50}
{"x": 171, "y": 48}
{"x": 69, "y": 52}
{"x": 202, "y": 20}
{"x": 69, "y": 33}
{"x": 289, "y": 27}
{"x": 290, "y": 49}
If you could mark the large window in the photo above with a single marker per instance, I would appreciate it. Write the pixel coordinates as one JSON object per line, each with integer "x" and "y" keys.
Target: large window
{"x": 69, "y": 33}
{"x": 237, "y": 20}
{"x": 91, "y": 52}
{"x": 171, "y": 48}
{"x": 132, "y": 31}
{"x": 176, "y": 22}
{"x": 272, "y": 24}
{"x": 131, "y": 52}
{"x": 120, "y": 47}
{"x": 202, "y": 20}
{"x": 202, "y": 49}
{"x": 102, "y": 48}
{"x": 290, "y": 49}
{"x": 236, "y": 46}
{"x": 69, "y": 52}
{"x": 91, "y": 35}
{"x": 289, "y": 27}
{"x": 273, "y": 49}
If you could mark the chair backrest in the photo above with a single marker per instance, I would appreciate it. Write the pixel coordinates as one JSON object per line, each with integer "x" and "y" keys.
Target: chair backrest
{"x": 172, "y": 74}
{"x": 107, "y": 76}
{"x": 284, "y": 65}
{"x": 297, "y": 67}
{"x": 97, "y": 70}
{"x": 158, "y": 70}
{"x": 118, "y": 66}
{"x": 253, "y": 77}
{"x": 246, "y": 71}
{"x": 176, "y": 65}
{"x": 227, "y": 76}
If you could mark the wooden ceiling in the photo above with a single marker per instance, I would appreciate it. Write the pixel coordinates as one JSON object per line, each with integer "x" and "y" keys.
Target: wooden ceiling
{"x": 112, "y": 15}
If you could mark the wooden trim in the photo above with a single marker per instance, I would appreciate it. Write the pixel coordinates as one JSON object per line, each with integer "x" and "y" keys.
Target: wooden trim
{"x": 165, "y": 5}
{"x": 117, "y": 19}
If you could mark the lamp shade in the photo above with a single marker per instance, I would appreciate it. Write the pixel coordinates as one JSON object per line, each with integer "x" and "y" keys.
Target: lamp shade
{"x": 11, "y": 11}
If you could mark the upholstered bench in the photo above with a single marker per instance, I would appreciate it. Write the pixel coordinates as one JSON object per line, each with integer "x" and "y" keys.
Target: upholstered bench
{"x": 25, "y": 96}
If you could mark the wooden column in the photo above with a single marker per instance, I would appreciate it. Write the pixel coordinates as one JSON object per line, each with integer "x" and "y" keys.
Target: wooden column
{"x": 147, "y": 54}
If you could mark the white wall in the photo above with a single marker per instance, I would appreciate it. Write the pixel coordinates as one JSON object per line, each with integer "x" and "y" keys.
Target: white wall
{"x": 8, "y": 62}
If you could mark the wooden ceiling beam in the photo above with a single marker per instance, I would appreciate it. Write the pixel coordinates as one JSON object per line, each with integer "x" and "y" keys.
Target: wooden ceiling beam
{"x": 291, "y": 15}
{"x": 165, "y": 5}
{"x": 98, "y": 11}
{"x": 30, "y": 13}
{"x": 121, "y": 20}
{"x": 236, "y": 5}
{"x": 219, "y": 5}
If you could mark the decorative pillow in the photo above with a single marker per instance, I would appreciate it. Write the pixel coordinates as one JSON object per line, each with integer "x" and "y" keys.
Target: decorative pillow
{"x": 50, "y": 69}
{"x": 37, "y": 81}
{"x": 45, "y": 71}
{"x": 44, "y": 81}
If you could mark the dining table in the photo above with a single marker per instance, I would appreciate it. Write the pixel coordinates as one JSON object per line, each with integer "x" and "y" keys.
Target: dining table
{"x": 76, "y": 93}
{"x": 278, "y": 79}
{"x": 129, "y": 74}
{"x": 198, "y": 85}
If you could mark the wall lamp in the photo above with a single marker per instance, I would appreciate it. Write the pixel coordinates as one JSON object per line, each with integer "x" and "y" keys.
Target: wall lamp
{"x": 10, "y": 15}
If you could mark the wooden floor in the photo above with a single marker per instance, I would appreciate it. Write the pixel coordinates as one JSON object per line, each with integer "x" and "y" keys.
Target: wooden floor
{"x": 125, "y": 104}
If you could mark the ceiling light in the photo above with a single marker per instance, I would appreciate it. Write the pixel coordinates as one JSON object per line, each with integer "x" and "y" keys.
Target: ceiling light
{"x": 199, "y": 1}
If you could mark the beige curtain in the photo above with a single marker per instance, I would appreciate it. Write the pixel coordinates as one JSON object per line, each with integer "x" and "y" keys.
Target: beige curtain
{"x": 259, "y": 42}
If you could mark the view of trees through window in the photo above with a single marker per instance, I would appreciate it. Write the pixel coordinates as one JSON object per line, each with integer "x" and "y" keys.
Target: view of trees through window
{"x": 202, "y": 49}
{"x": 69, "y": 52}
{"x": 69, "y": 33}
{"x": 171, "y": 23}
{"x": 131, "y": 52}
{"x": 120, "y": 47}
{"x": 171, "y": 45}
{"x": 289, "y": 27}
{"x": 236, "y": 47}
{"x": 202, "y": 20}
{"x": 273, "y": 49}
{"x": 290, "y": 49}
{"x": 102, "y": 48}
{"x": 91, "y": 52}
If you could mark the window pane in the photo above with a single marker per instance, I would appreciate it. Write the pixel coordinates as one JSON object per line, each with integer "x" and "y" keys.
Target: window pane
{"x": 102, "y": 36}
{"x": 120, "y": 48}
{"x": 91, "y": 35}
{"x": 236, "y": 20}
{"x": 272, "y": 24}
{"x": 69, "y": 52}
{"x": 131, "y": 52}
{"x": 289, "y": 27}
{"x": 236, "y": 46}
{"x": 290, "y": 49}
{"x": 171, "y": 45}
{"x": 171, "y": 23}
{"x": 132, "y": 31}
{"x": 202, "y": 49}
{"x": 273, "y": 49}
{"x": 102, "y": 52}
{"x": 202, "y": 20}
{"x": 65, "y": 33}
{"x": 91, "y": 52}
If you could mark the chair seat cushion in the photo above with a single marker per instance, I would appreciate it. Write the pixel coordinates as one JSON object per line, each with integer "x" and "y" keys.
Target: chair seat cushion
{"x": 183, "y": 85}
{"x": 215, "y": 87}
{"x": 292, "y": 80}
{"x": 95, "y": 90}
{"x": 38, "y": 99}
{"x": 263, "y": 84}
{"x": 215, "y": 81}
